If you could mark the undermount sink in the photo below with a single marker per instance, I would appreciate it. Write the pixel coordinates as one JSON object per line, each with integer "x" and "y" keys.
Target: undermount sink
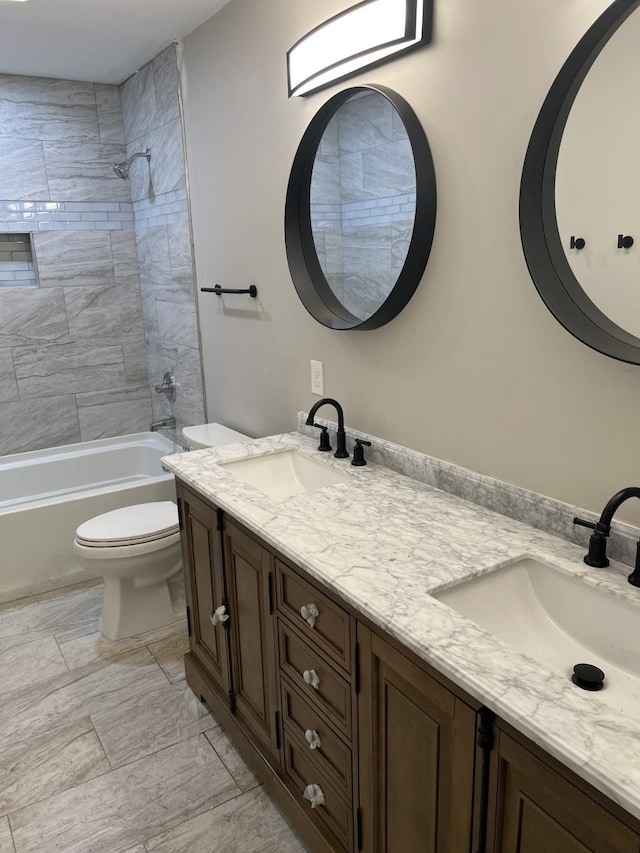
{"x": 560, "y": 620}
{"x": 282, "y": 475}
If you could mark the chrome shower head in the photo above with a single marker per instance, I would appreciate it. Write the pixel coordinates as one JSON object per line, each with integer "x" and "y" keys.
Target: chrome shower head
{"x": 122, "y": 169}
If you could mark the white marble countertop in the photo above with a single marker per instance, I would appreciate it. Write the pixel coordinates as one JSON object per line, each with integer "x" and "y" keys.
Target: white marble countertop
{"x": 384, "y": 542}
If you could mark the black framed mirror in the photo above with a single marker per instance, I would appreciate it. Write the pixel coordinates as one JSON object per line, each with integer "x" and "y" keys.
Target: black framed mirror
{"x": 578, "y": 190}
{"x": 360, "y": 209}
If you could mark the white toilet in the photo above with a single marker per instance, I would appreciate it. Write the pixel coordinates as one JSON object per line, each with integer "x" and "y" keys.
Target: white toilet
{"x": 211, "y": 435}
{"x": 137, "y": 551}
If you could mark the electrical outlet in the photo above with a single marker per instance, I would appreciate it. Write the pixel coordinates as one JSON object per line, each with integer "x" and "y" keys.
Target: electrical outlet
{"x": 317, "y": 378}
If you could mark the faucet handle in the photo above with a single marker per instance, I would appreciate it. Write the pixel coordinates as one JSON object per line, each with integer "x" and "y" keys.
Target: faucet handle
{"x": 582, "y": 523}
{"x": 358, "y": 452}
{"x": 324, "y": 437}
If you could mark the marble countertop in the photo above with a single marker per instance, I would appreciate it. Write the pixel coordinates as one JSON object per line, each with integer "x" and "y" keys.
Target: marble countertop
{"x": 385, "y": 542}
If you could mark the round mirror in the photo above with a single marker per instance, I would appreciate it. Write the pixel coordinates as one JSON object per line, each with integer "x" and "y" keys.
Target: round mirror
{"x": 360, "y": 210}
{"x": 580, "y": 185}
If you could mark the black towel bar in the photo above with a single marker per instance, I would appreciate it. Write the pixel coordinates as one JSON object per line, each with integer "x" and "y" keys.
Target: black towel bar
{"x": 252, "y": 291}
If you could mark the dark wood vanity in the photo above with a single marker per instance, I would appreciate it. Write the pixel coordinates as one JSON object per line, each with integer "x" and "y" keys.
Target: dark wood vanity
{"x": 319, "y": 699}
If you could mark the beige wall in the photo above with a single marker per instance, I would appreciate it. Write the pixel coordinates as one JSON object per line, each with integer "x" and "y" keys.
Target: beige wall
{"x": 475, "y": 370}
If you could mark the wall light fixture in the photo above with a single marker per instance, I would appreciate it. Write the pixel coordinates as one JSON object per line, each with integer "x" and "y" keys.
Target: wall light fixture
{"x": 366, "y": 34}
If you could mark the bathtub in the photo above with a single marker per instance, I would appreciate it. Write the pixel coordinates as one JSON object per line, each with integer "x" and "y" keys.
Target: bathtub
{"x": 46, "y": 494}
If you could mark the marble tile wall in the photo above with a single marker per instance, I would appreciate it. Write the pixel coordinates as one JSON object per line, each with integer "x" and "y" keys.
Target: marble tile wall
{"x": 151, "y": 113}
{"x": 72, "y": 350}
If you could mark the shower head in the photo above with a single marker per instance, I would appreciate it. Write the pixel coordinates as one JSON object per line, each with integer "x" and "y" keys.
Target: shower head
{"x": 122, "y": 169}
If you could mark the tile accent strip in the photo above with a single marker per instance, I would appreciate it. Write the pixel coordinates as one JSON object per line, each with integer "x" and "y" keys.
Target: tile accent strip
{"x": 28, "y": 216}
{"x": 163, "y": 209}
{"x": 539, "y": 511}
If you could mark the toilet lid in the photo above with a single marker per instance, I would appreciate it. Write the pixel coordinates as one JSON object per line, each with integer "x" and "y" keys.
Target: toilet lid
{"x": 130, "y": 525}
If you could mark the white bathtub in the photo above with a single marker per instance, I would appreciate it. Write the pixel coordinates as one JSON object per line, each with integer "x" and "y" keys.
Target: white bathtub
{"x": 46, "y": 494}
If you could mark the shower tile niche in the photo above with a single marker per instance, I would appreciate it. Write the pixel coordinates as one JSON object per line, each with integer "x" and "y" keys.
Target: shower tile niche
{"x": 17, "y": 261}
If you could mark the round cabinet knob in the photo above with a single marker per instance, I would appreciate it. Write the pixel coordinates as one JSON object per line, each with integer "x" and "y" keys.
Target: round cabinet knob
{"x": 314, "y": 794}
{"x": 219, "y": 615}
{"x": 311, "y": 678}
{"x": 313, "y": 739}
{"x": 309, "y": 613}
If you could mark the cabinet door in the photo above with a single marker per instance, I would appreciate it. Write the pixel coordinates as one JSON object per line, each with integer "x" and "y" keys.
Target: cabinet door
{"x": 416, "y": 756}
{"x": 536, "y": 809}
{"x": 252, "y": 624}
{"x": 201, "y": 556}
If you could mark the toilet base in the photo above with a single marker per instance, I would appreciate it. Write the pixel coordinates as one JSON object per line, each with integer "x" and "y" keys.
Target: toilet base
{"x": 129, "y": 610}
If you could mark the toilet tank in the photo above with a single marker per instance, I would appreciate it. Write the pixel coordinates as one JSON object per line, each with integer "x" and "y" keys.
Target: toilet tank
{"x": 211, "y": 435}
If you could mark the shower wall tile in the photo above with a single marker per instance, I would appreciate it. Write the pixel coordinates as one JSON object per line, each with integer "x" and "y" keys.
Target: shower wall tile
{"x": 104, "y": 310}
{"x": 74, "y": 258}
{"x": 167, "y": 161}
{"x": 116, "y": 411}
{"x": 82, "y": 171}
{"x": 179, "y": 239}
{"x": 40, "y": 108}
{"x": 125, "y": 256}
{"x": 38, "y": 423}
{"x": 138, "y": 97}
{"x": 153, "y": 257}
{"x": 32, "y": 317}
{"x": 165, "y": 75}
{"x": 47, "y": 371}
{"x": 134, "y": 350}
{"x": 177, "y": 323}
{"x": 22, "y": 170}
{"x": 8, "y": 386}
{"x": 109, "y": 113}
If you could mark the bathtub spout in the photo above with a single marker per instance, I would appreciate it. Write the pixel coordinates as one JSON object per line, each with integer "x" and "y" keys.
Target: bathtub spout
{"x": 163, "y": 423}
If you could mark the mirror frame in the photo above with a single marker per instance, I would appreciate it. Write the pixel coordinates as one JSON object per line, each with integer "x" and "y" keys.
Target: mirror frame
{"x": 543, "y": 249}
{"x": 308, "y": 278}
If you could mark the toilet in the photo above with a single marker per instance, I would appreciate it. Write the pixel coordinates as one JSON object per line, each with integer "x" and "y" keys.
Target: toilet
{"x": 211, "y": 435}
{"x": 137, "y": 550}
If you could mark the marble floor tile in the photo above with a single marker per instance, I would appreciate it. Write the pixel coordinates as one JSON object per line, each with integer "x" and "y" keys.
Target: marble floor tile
{"x": 169, "y": 655}
{"x": 6, "y": 839}
{"x": 29, "y": 663}
{"x": 126, "y": 806}
{"x": 250, "y": 822}
{"x": 242, "y": 774}
{"x": 48, "y": 704}
{"x": 35, "y": 769}
{"x": 66, "y": 615}
{"x": 147, "y": 724}
{"x": 91, "y": 647}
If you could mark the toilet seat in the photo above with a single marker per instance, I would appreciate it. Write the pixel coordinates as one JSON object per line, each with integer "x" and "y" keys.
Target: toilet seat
{"x": 129, "y": 526}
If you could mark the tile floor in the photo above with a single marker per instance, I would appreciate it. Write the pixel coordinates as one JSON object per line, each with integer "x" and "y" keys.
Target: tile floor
{"x": 104, "y": 749}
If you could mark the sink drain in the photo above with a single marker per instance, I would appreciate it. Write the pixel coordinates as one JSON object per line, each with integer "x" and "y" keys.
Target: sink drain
{"x": 588, "y": 677}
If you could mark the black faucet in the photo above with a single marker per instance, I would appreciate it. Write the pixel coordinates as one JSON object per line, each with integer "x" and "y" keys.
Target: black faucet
{"x": 597, "y": 554}
{"x": 341, "y": 447}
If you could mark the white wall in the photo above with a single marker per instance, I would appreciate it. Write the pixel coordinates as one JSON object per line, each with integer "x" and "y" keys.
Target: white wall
{"x": 475, "y": 370}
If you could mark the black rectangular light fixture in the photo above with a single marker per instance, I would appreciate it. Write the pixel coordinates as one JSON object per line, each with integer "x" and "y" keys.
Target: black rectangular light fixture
{"x": 367, "y": 34}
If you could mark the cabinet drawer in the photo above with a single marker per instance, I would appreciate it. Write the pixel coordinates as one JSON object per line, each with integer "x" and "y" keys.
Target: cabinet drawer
{"x": 332, "y": 695}
{"x": 331, "y": 631}
{"x": 332, "y": 756}
{"x": 334, "y": 818}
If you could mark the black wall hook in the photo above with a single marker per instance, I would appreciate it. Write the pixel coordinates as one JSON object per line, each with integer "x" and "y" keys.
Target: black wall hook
{"x": 252, "y": 290}
{"x": 624, "y": 242}
{"x": 577, "y": 243}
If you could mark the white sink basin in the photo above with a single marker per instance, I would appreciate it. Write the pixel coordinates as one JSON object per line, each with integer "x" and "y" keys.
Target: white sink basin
{"x": 559, "y": 620}
{"x": 282, "y": 475}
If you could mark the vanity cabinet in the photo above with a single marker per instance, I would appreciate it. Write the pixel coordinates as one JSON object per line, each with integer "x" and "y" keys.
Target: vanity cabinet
{"x": 416, "y": 756}
{"x": 537, "y": 807}
{"x": 365, "y": 746}
{"x": 204, "y": 587}
{"x": 249, "y": 580}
